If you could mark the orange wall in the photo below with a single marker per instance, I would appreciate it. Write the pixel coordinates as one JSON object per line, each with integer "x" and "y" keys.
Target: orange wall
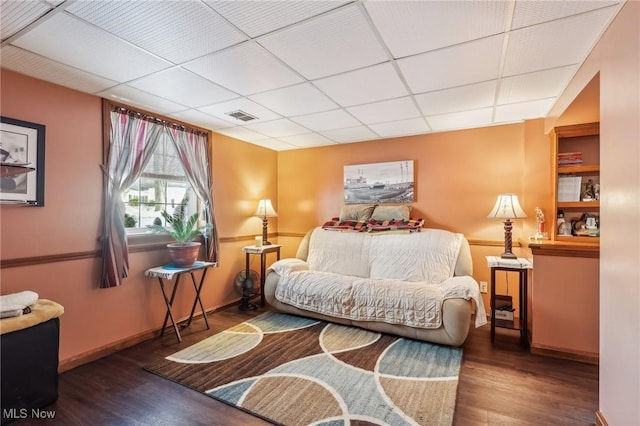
{"x": 457, "y": 177}
{"x": 576, "y": 112}
{"x": 72, "y": 188}
{"x": 243, "y": 174}
{"x": 69, "y": 222}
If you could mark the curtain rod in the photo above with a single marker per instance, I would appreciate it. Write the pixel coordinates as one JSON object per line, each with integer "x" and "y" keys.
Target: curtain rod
{"x": 150, "y": 118}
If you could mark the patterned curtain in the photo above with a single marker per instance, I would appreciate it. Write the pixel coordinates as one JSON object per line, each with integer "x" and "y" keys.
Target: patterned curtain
{"x": 133, "y": 138}
{"x": 193, "y": 151}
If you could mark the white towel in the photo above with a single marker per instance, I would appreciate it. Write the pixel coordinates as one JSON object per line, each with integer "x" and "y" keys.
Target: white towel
{"x": 17, "y": 301}
{"x": 9, "y": 314}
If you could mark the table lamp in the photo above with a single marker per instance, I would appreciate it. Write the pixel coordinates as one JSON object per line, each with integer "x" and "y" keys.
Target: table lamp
{"x": 507, "y": 207}
{"x": 265, "y": 210}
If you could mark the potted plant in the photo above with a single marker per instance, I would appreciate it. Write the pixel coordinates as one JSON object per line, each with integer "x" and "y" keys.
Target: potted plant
{"x": 184, "y": 230}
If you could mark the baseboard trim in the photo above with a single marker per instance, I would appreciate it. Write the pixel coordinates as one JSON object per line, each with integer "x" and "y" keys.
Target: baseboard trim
{"x": 96, "y": 354}
{"x": 586, "y": 357}
{"x": 600, "y": 420}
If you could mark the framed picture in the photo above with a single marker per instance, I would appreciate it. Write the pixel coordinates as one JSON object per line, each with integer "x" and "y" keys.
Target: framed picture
{"x": 21, "y": 162}
{"x": 390, "y": 182}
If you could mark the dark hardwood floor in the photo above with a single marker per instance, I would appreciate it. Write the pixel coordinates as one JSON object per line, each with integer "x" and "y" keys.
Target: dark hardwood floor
{"x": 500, "y": 384}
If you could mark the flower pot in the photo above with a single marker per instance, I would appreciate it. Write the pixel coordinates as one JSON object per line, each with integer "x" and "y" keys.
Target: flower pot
{"x": 184, "y": 255}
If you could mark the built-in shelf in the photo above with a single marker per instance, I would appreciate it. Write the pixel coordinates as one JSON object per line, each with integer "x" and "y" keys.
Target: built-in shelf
{"x": 580, "y": 143}
{"x": 578, "y": 239}
{"x": 578, "y": 169}
{"x": 568, "y": 247}
{"x": 580, "y": 205}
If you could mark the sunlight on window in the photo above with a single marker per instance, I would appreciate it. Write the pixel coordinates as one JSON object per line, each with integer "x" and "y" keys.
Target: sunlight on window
{"x": 162, "y": 186}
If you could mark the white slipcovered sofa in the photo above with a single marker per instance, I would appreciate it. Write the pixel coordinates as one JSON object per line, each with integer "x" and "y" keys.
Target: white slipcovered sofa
{"x": 416, "y": 285}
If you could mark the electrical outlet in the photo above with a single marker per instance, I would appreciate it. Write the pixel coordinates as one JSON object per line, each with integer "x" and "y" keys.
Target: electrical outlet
{"x": 483, "y": 286}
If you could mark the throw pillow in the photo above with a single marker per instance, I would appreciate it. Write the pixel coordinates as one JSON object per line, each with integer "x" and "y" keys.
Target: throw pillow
{"x": 356, "y": 212}
{"x": 382, "y": 213}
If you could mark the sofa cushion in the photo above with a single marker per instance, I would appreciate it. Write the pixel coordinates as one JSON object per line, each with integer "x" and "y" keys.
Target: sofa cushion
{"x": 363, "y": 299}
{"x": 415, "y": 304}
{"x": 345, "y": 253}
{"x": 429, "y": 256}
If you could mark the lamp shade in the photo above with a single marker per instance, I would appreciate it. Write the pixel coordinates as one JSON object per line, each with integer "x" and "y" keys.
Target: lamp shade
{"x": 265, "y": 209}
{"x": 507, "y": 207}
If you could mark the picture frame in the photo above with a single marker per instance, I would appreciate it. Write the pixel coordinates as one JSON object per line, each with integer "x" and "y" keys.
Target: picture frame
{"x": 388, "y": 182}
{"x": 22, "y": 146}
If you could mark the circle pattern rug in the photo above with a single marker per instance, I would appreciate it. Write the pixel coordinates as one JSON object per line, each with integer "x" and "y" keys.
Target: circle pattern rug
{"x": 298, "y": 371}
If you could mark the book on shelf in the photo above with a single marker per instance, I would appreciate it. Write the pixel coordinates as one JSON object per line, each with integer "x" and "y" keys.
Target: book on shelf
{"x": 519, "y": 263}
{"x": 569, "y": 188}
{"x": 569, "y": 158}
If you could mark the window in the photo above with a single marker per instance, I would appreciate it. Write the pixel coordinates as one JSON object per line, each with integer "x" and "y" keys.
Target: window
{"x": 151, "y": 163}
{"x": 161, "y": 186}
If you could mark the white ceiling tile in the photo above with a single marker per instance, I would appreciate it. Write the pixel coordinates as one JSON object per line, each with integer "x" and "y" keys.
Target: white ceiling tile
{"x": 242, "y": 133}
{"x": 274, "y": 144}
{"x": 245, "y": 69}
{"x": 392, "y": 129}
{"x": 307, "y": 140}
{"x": 412, "y": 27}
{"x": 278, "y": 128}
{"x": 351, "y": 134}
{"x": 201, "y": 119}
{"x": 323, "y": 66}
{"x": 184, "y": 87}
{"x": 523, "y": 110}
{"x": 132, "y": 96}
{"x": 328, "y": 120}
{"x": 391, "y": 110}
{"x": 467, "y": 63}
{"x": 260, "y": 17}
{"x": 329, "y": 44}
{"x": 536, "y": 85}
{"x": 70, "y": 41}
{"x": 220, "y": 110}
{"x": 295, "y": 100}
{"x": 572, "y": 38}
{"x": 461, "y": 98}
{"x": 18, "y": 14}
{"x": 175, "y": 30}
{"x": 461, "y": 120}
{"x": 527, "y": 13}
{"x": 44, "y": 69}
{"x": 363, "y": 86}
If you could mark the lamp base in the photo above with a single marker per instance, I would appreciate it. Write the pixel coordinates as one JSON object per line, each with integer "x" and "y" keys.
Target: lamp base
{"x": 265, "y": 242}
{"x": 508, "y": 254}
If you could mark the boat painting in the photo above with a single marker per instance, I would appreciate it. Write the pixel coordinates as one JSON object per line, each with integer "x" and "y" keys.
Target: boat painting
{"x": 390, "y": 182}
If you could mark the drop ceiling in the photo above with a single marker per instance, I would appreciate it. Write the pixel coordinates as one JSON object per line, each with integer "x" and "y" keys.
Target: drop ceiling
{"x": 312, "y": 73}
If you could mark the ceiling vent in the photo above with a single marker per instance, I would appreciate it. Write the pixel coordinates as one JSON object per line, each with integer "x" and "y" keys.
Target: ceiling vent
{"x": 241, "y": 115}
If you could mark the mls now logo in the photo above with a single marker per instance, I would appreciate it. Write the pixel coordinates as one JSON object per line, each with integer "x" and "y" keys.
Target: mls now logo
{"x": 23, "y": 413}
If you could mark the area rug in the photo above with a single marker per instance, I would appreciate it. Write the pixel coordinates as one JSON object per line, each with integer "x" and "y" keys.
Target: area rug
{"x": 298, "y": 371}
